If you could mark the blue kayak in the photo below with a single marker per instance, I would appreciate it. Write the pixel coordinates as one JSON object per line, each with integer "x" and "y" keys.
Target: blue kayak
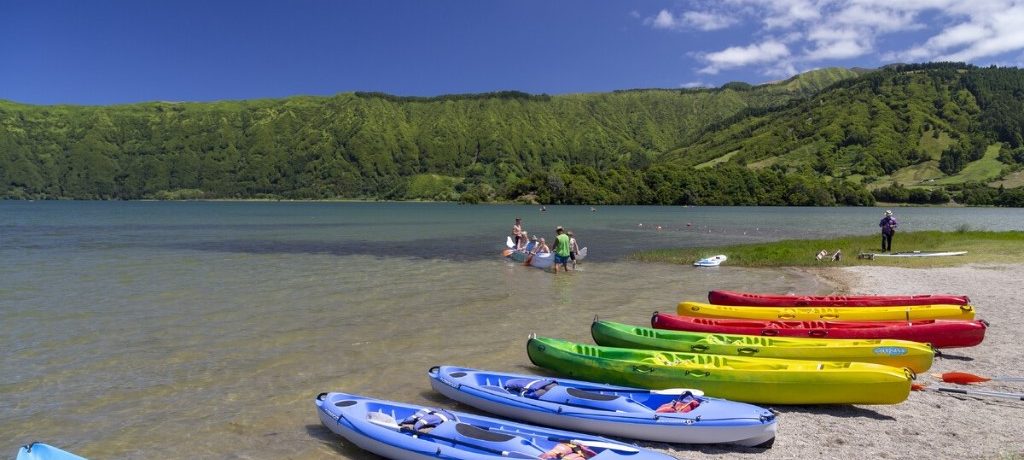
{"x": 405, "y": 431}
{"x": 40, "y": 451}
{"x": 674, "y": 415}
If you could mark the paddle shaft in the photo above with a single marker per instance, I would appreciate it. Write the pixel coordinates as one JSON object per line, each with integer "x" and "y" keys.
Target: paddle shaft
{"x": 996, "y": 394}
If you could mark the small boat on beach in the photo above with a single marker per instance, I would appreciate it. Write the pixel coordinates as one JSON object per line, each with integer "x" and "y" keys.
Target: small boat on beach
{"x": 938, "y": 333}
{"x": 712, "y": 261}
{"x": 676, "y": 416}
{"x": 889, "y": 313}
{"x": 898, "y": 353}
{"x": 406, "y": 431}
{"x": 753, "y": 380}
{"x": 735, "y": 298}
{"x": 41, "y": 451}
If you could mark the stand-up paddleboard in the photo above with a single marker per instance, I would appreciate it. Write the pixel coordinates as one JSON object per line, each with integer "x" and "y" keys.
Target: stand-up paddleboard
{"x": 40, "y": 451}
{"x": 920, "y": 254}
{"x": 712, "y": 261}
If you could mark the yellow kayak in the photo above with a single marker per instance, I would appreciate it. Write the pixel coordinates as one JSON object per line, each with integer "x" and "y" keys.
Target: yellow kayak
{"x": 753, "y": 380}
{"x": 907, "y": 313}
{"x": 897, "y": 353}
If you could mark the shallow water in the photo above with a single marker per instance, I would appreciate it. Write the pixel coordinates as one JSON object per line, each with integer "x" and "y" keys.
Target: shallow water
{"x": 184, "y": 330}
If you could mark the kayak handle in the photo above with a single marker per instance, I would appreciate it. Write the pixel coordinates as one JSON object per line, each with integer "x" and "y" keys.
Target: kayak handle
{"x": 830, "y": 316}
{"x": 747, "y": 351}
{"x": 770, "y": 332}
{"x": 786, "y": 316}
{"x": 817, "y": 333}
{"x": 699, "y": 348}
{"x": 433, "y": 370}
{"x": 692, "y": 373}
{"x": 643, "y": 369}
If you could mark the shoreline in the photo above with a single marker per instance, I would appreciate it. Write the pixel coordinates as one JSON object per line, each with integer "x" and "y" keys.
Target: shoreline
{"x": 928, "y": 424}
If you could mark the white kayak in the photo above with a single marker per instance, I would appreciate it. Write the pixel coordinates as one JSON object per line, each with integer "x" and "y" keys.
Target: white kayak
{"x": 712, "y": 261}
{"x": 921, "y": 254}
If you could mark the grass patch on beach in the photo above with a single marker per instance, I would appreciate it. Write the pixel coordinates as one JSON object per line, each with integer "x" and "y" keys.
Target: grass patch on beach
{"x": 981, "y": 246}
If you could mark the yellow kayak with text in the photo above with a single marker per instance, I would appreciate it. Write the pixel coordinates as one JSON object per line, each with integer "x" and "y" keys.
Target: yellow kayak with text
{"x": 906, "y": 313}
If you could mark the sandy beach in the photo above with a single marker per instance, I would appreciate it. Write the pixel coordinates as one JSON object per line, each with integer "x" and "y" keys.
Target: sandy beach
{"x": 928, "y": 424}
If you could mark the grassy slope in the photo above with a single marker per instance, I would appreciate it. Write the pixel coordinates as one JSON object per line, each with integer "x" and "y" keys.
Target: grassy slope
{"x": 1003, "y": 247}
{"x": 715, "y": 161}
{"x": 1012, "y": 180}
{"x": 983, "y": 170}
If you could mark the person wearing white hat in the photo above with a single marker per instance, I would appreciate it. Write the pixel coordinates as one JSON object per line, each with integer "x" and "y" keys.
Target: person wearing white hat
{"x": 888, "y": 225}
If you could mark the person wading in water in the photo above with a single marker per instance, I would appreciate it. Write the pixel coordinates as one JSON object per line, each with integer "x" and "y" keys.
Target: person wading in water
{"x": 562, "y": 249}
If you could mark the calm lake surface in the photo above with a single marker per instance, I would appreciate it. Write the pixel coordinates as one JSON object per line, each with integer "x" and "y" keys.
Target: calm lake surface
{"x": 205, "y": 329}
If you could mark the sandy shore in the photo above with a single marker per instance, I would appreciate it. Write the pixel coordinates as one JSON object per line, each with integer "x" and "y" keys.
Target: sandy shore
{"x": 929, "y": 424}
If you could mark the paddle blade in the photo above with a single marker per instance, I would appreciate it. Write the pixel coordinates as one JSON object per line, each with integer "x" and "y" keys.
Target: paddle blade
{"x": 506, "y": 253}
{"x": 963, "y": 378}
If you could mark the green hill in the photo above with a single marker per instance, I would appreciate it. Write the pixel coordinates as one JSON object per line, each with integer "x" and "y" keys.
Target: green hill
{"x": 768, "y": 144}
{"x": 912, "y": 126}
{"x": 364, "y": 145}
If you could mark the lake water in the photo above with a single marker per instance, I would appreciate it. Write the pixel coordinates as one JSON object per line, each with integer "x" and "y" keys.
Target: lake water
{"x": 205, "y": 329}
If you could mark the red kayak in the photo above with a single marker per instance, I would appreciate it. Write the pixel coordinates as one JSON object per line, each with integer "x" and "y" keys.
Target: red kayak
{"x": 940, "y": 333}
{"x": 747, "y": 299}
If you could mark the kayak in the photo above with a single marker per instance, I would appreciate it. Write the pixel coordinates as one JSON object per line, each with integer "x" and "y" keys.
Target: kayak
{"x": 544, "y": 260}
{"x": 920, "y": 254}
{"x": 712, "y": 261}
{"x": 676, "y": 416}
{"x": 40, "y": 451}
{"x": 891, "y": 313}
{"x": 939, "y": 333}
{"x": 753, "y": 380}
{"x": 720, "y": 297}
{"x": 899, "y": 353}
{"x": 405, "y": 431}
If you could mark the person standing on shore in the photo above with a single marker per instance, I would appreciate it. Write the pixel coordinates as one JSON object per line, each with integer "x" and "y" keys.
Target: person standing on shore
{"x": 888, "y": 224}
{"x": 562, "y": 249}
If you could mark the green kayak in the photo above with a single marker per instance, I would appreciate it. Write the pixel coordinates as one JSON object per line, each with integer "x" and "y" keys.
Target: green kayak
{"x": 898, "y": 353}
{"x": 754, "y": 380}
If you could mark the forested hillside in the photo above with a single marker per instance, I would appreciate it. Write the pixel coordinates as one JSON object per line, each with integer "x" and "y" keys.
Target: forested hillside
{"x": 810, "y": 140}
{"x": 499, "y": 146}
{"x": 919, "y": 133}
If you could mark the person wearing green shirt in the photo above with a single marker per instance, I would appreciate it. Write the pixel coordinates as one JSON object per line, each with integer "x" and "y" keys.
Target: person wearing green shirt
{"x": 562, "y": 249}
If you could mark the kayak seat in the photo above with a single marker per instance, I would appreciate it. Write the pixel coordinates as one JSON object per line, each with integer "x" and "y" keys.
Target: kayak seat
{"x": 583, "y": 394}
{"x": 591, "y": 400}
{"x": 471, "y": 431}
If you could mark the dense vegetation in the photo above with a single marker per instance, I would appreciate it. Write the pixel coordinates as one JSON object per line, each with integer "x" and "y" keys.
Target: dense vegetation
{"x": 823, "y": 138}
{"x": 910, "y": 133}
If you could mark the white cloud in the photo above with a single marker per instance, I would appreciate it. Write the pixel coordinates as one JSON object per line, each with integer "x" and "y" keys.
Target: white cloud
{"x": 700, "y": 20}
{"x": 707, "y": 21}
{"x": 839, "y": 49}
{"x": 792, "y": 34}
{"x": 694, "y": 84}
{"x": 740, "y": 56}
{"x": 664, "y": 20}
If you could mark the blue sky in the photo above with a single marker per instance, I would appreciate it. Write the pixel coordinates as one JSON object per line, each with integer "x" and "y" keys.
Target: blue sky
{"x": 107, "y": 52}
